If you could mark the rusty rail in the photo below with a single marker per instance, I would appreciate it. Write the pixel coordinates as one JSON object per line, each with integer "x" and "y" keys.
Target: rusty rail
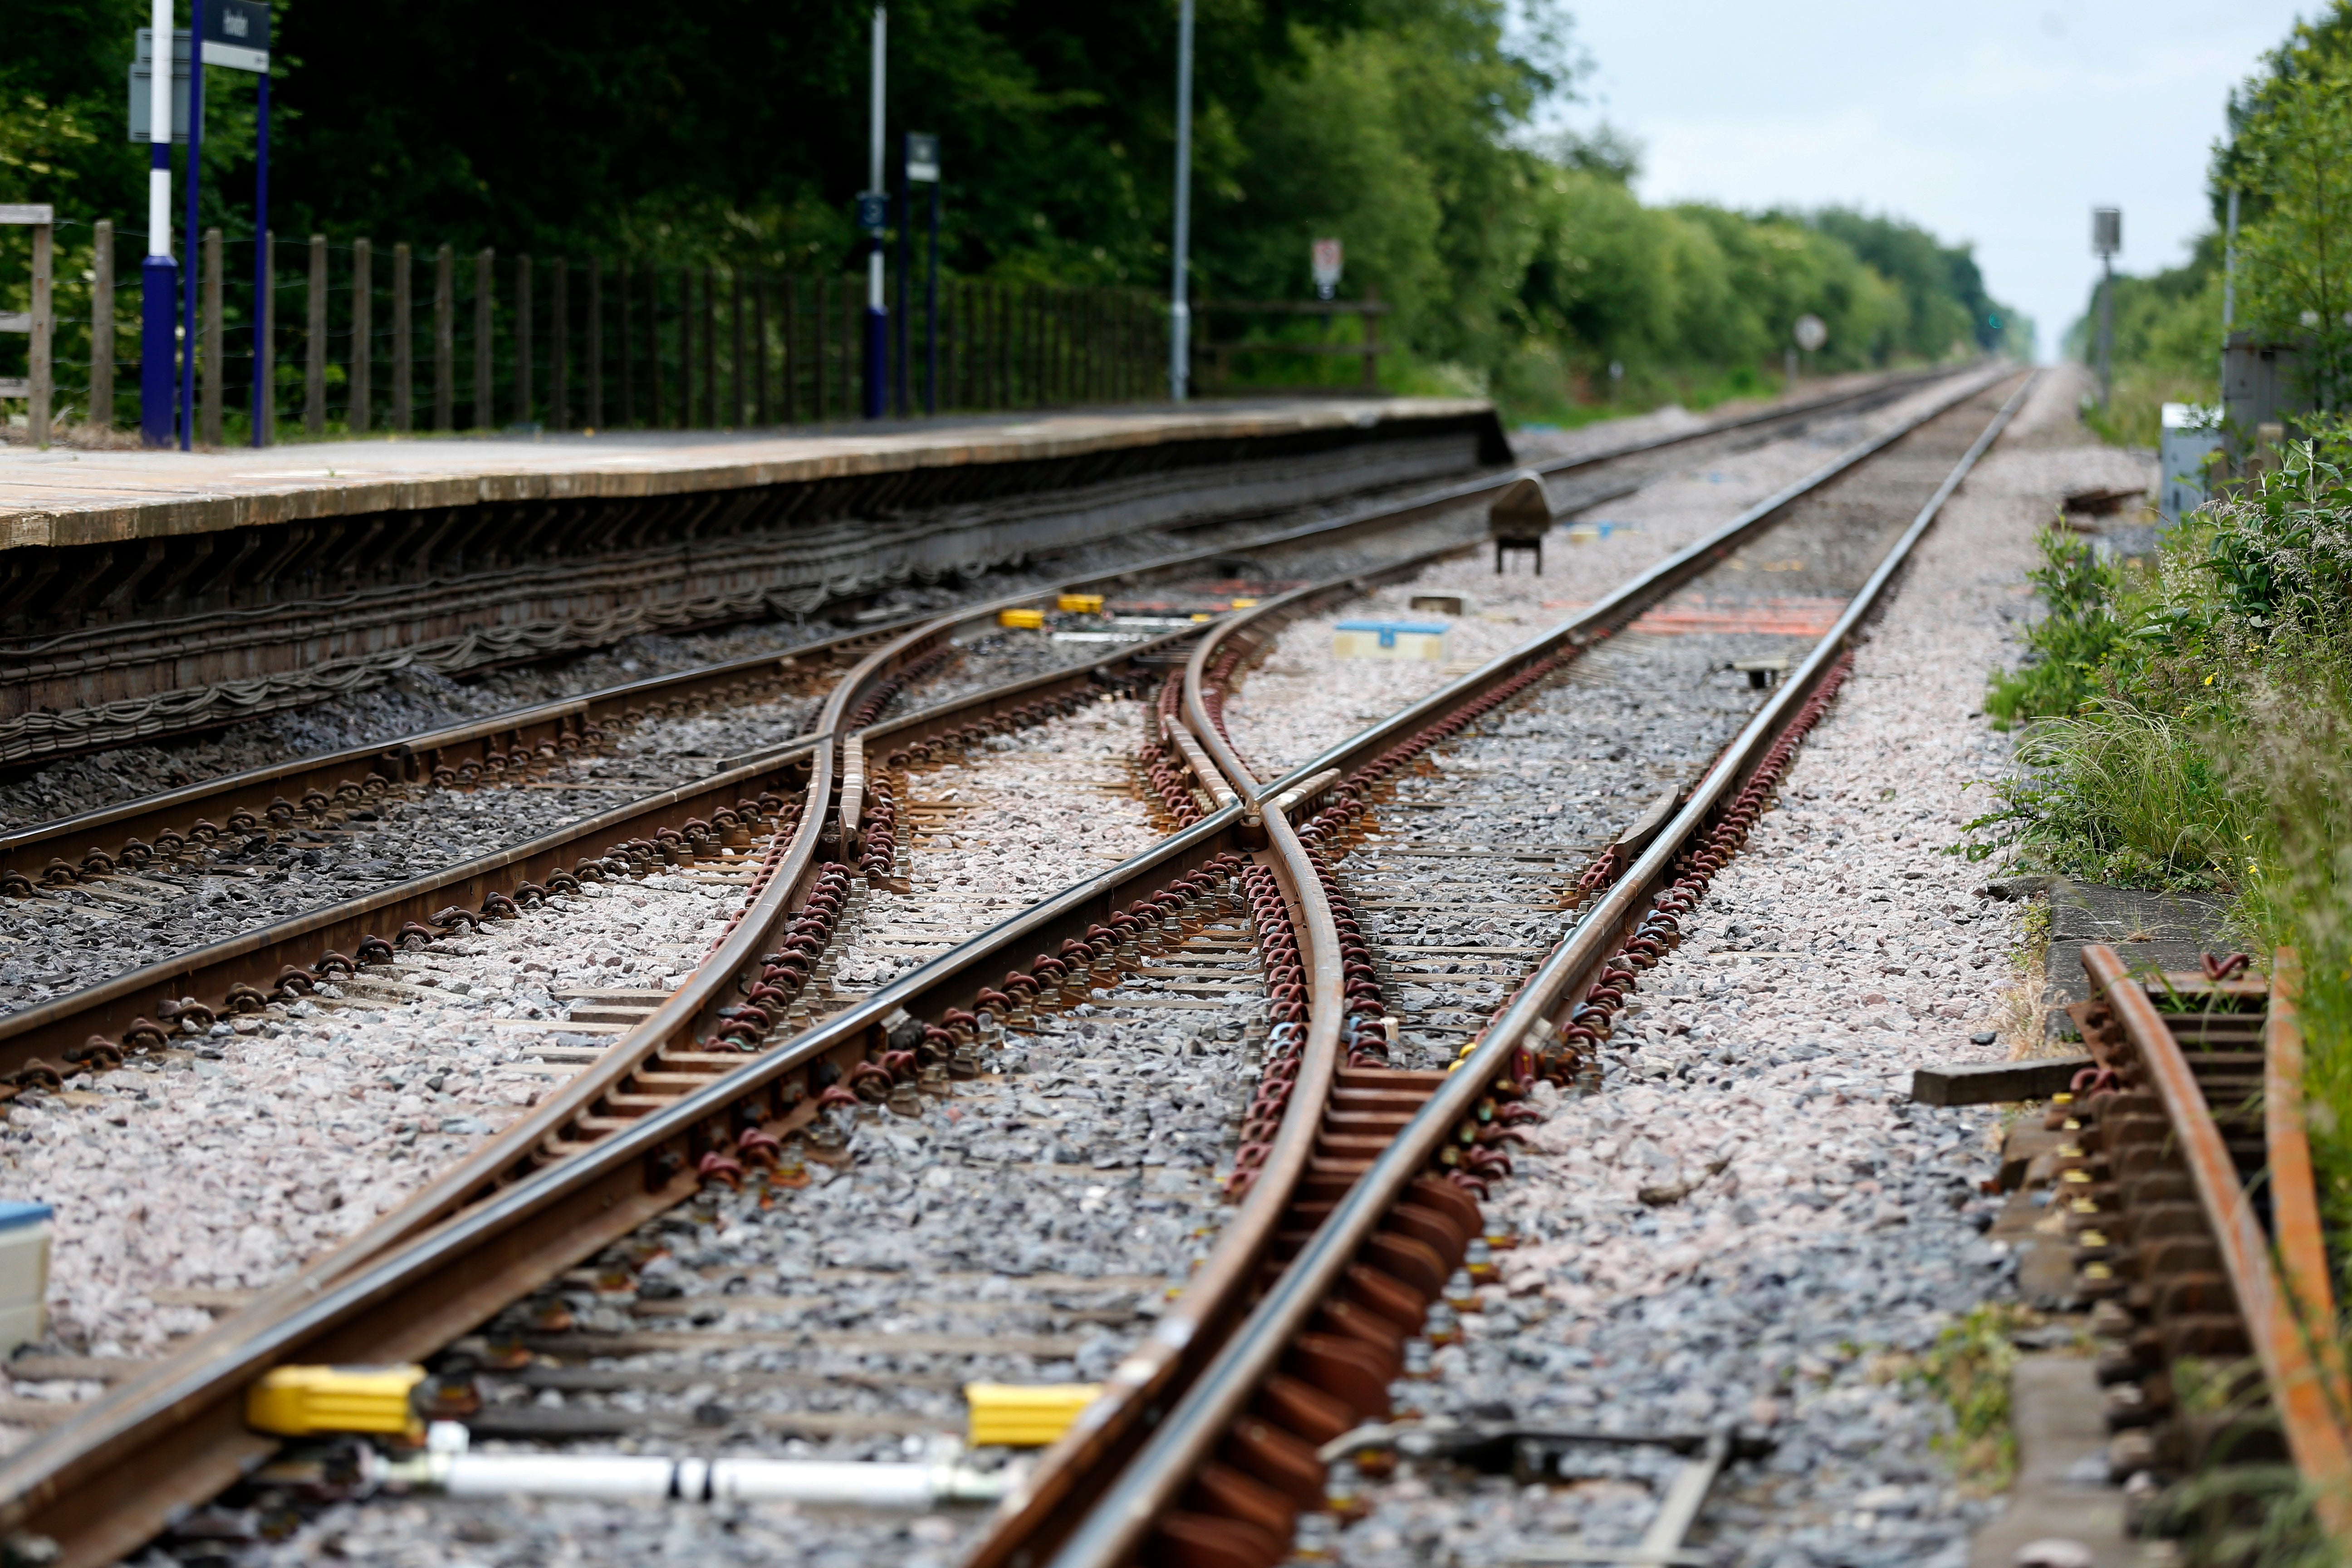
{"x": 2306, "y": 1389}
{"x": 1378, "y": 1248}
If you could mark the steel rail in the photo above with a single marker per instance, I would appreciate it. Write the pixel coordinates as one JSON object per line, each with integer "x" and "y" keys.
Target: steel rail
{"x": 109, "y": 1480}
{"x": 177, "y": 1425}
{"x": 2310, "y": 1400}
{"x": 1116, "y": 1529}
{"x": 252, "y": 791}
{"x": 2300, "y": 1234}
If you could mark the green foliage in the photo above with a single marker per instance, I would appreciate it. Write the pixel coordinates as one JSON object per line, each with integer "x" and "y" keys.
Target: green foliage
{"x": 2070, "y": 642}
{"x": 736, "y": 134}
{"x": 2298, "y": 257}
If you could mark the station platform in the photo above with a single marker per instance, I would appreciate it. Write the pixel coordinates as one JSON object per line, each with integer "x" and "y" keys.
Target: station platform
{"x": 71, "y": 497}
{"x": 146, "y": 593}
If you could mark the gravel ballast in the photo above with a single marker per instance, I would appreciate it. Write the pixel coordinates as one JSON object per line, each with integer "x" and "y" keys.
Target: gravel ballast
{"x": 1807, "y": 1232}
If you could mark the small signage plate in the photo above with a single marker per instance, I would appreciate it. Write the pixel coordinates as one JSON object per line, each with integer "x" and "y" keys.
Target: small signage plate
{"x": 236, "y": 35}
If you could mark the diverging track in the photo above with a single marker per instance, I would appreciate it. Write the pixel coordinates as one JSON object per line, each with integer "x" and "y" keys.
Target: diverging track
{"x": 760, "y": 1060}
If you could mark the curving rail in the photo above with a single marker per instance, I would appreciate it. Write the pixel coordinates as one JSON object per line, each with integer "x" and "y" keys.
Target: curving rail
{"x": 544, "y": 1197}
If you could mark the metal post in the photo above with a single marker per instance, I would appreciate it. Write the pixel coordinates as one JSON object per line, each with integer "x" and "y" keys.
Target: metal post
{"x": 403, "y": 346}
{"x": 359, "y": 405}
{"x": 877, "y": 315}
{"x": 195, "y": 163}
{"x": 158, "y": 275}
{"x": 1180, "y": 310}
{"x": 209, "y": 425}
{"x": 2106, "y": 330}
{"x": 2230, "y": 268}
{"x": 264, "y": 394}
{"x": 101, "y": 412}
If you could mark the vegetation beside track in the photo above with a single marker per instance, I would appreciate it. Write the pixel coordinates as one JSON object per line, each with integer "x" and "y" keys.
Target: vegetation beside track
{"x": 2188, "y": 725}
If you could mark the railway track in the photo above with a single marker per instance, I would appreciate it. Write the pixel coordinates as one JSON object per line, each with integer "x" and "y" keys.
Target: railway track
{"x": 2177, "y": 1173}
{"x": 751, "y": 1062}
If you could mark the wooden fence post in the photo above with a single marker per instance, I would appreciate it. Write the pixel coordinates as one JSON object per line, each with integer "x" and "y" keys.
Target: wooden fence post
{"x": 853, "y": 353}
{"x": 524, "y": 350}
{"x": 628, "y": 347}
{"x": 595, "y": 348}
{"x": 711, "y": 347}
{"x": 101, "y": 412}
{"x": 445, "y": 338}
{"x": 363, "y": 360}
{"x": 314, "y": 350}
{"x": 208, "y": 416}
{"x": 653, "y": 346}
{"x": 403, "y": 347}
{"x": 735, "y": 404}
{"x": 760, "y": 346}
{"x": 39, "y": 322}
{"x": 483, "y": 414}
{"x": 821, "y": 345}
{"x": 790, "y": 311}
{"x": 559, "y": 342}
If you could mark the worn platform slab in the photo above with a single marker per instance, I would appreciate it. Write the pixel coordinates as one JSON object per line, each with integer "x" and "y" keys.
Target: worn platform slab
{"x": 64, "y": 496}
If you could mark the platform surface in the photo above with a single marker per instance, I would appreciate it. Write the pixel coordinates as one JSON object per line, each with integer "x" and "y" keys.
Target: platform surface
{"x": 66, "y": 496}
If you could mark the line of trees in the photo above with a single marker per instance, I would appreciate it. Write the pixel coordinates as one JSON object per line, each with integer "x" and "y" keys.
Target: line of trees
{"x": 727, "y": 131}
{"x": 2288, "y": 152}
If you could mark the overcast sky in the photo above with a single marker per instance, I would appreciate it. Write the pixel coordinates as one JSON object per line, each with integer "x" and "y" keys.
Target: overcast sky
{"x": 2001, "y": 122}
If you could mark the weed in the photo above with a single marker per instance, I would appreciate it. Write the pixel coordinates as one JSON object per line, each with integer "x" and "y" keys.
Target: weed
{"x": 1968, "y": 1369}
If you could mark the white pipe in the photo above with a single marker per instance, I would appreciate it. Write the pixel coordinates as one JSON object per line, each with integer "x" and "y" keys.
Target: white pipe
{"x": 838, "y": 1483}
{"x": 159, "y": 130}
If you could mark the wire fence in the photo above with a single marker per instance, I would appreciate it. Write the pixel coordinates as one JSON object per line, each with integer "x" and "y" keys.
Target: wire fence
{"x": 356, "y": 338}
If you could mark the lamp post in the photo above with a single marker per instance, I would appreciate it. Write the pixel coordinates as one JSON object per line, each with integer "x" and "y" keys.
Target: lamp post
{"x": 874, "y": 212}
{"x": 1180, "y": 308}
{"x": 158, "y": 275}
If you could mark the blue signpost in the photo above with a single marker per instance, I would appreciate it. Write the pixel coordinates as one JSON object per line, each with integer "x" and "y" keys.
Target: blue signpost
{"x": 158, "y": 275}
{"x": 188, "y": 273}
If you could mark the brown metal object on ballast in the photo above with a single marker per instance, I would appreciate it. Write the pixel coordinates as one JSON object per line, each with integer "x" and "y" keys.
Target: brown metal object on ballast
{"x": 1519, "y": 519}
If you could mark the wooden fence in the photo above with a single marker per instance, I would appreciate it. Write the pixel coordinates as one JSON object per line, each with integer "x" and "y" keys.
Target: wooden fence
{"x": 356, "y": 338}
